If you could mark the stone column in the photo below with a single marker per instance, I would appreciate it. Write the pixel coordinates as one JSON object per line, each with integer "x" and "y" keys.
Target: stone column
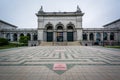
{"x": 88, "y": 37}
{"x": 116, "y": 37}
{"x": 4, "y": 35}
{"x": 75, "y": 35}
{"x": 101, "y": 36}
{"x": 40, "y": 35}
{"x": 79, "y": 34}
{"x": 18, "y": 37}
{"x": 54, "y": 36}
{"x": 25, "y": 34}
{"x": 94, "y": 36}
{"x": 11, "y": 37}
{"x": 109, "y": 36}
{"x": 31, "y": 37}
{"x": 65, "y": 36}
{"x": 45, "y": 34}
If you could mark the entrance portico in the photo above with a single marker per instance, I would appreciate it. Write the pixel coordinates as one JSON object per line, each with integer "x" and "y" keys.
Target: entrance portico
{"x": 60, "y": 26}
{"x": 59, "y": 33}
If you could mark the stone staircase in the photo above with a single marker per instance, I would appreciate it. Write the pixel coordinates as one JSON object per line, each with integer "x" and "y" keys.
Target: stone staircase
{"x": 46, "y": 43}
{"x": 60, "y": 43}
{"x": 75, "y": 43}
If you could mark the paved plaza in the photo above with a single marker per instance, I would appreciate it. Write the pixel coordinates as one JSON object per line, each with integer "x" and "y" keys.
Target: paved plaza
{"x": 60, "y": 63}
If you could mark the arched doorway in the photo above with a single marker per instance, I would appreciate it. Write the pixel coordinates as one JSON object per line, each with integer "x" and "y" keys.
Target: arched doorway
{"x": 85, "y": 36}
{"x": 49, "y": 32}
{"x": 29, "y": 36}
{"x": 34, "y": 36}
{"x": 111, "y": 36}
{"x": 14, "y": 37}
{"x": 91, "y": 36}
{"x": 105, "y": 36}
{"x": 49, "y": 36}
{"x": 70, "y": 35}
{"x": 60, "y": 33}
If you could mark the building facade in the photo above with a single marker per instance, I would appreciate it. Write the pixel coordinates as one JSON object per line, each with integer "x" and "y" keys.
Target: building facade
{"x": 63, "y": 27}
{"x": 60, "y": 26}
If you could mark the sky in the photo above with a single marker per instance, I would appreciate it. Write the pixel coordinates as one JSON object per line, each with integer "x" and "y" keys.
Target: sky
{"x": 22, "y": 12}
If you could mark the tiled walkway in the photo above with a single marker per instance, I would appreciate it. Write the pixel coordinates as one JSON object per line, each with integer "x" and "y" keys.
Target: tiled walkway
{"x": 73, "y": 63}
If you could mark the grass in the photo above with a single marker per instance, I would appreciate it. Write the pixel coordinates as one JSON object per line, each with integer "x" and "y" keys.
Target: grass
{"x": 7, "y": 46}
{"x": 11, "y": 45}
{"x": 118, "y": 47}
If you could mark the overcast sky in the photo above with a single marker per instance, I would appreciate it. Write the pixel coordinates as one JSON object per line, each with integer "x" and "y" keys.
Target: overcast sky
{"x": 22, "y": 12}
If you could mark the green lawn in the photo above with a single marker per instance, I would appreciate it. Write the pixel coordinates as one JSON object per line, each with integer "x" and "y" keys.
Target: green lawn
{"x": 7, "y": 46}
{"x": 118, "y": 47}
{"x": 12, "y": 45}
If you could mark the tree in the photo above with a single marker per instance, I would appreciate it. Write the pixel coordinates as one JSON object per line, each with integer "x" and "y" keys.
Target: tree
{"x": 23, "y": 39}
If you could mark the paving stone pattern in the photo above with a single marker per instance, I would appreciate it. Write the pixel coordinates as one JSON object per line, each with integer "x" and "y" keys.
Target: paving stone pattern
{"x": 83, "y": 63}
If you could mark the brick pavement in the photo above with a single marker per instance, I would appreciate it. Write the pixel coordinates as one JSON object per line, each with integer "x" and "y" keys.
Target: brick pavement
{"x": 83, "y": 63}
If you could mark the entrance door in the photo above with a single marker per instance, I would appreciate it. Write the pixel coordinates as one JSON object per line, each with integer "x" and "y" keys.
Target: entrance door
{"x": 59, "y": 36}
{"x": 49, "y": 36}
{"x": 69, "y": 36}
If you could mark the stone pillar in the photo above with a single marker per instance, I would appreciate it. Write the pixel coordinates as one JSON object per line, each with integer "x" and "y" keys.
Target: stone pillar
{"x": 109, "y": 36}
{"x": 116, "y": 37}
{"x": 18, "y": 37}
{"x": 94, "y": 36}
{"x": 54, "y": 36}
{"x": 4, "y": 35}
{"x": 101, "y": 36}
{"x": 88, "y": 37}
{"x": 31, "y": 37}
{"x": 40, "y": 35}
{"x": 75, "y": 35}
{"x": 25, "y": 34}
{"x": 44, "y": 37}
{"x": 11, "y": 37}
{"x": 79, "y": 34}
{"x": 65, "y": 36}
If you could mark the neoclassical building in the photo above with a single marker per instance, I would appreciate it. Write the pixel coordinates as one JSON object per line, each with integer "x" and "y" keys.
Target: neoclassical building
{"x": 63, "y": 28}
{"x": 60, "y": 26}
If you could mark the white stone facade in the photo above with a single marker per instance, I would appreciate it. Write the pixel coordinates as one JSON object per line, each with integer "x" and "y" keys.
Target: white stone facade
{"x": 63, "y": 19}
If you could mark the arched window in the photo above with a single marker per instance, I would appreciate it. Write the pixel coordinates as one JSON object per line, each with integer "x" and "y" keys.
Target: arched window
{"x": 14, "y": 37}
{"x": 21, "y": 34}
{"x": 91, "y": 36}
{"x": 84, "y": 36}
{"x": 59, "y": 28}
{"x": 98, "y": 37}
{"x": 29, "y": 36}
{"x": 49, "y": 28}
{"x": 8, "y": 36}
{"x": 70, "y": 27}
{"x": 35, "y": 37}
{"x": 105, "y": 36}
{"x": 111, "y": 36}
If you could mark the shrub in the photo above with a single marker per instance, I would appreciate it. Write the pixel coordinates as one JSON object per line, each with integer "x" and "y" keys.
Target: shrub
{"x": 3, "y": 41}
{"x": 24, "y": 39}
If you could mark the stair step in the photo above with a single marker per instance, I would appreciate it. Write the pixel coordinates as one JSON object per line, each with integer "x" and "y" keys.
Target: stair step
{"x": 75, "y": 43}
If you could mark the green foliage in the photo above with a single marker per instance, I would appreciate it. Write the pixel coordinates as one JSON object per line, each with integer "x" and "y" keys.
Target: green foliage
{"x": 118, "y": 47}
{"x": 13, "y": 45}
{"x": 24, "y": 39}
{"x": 3, "y": 41}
